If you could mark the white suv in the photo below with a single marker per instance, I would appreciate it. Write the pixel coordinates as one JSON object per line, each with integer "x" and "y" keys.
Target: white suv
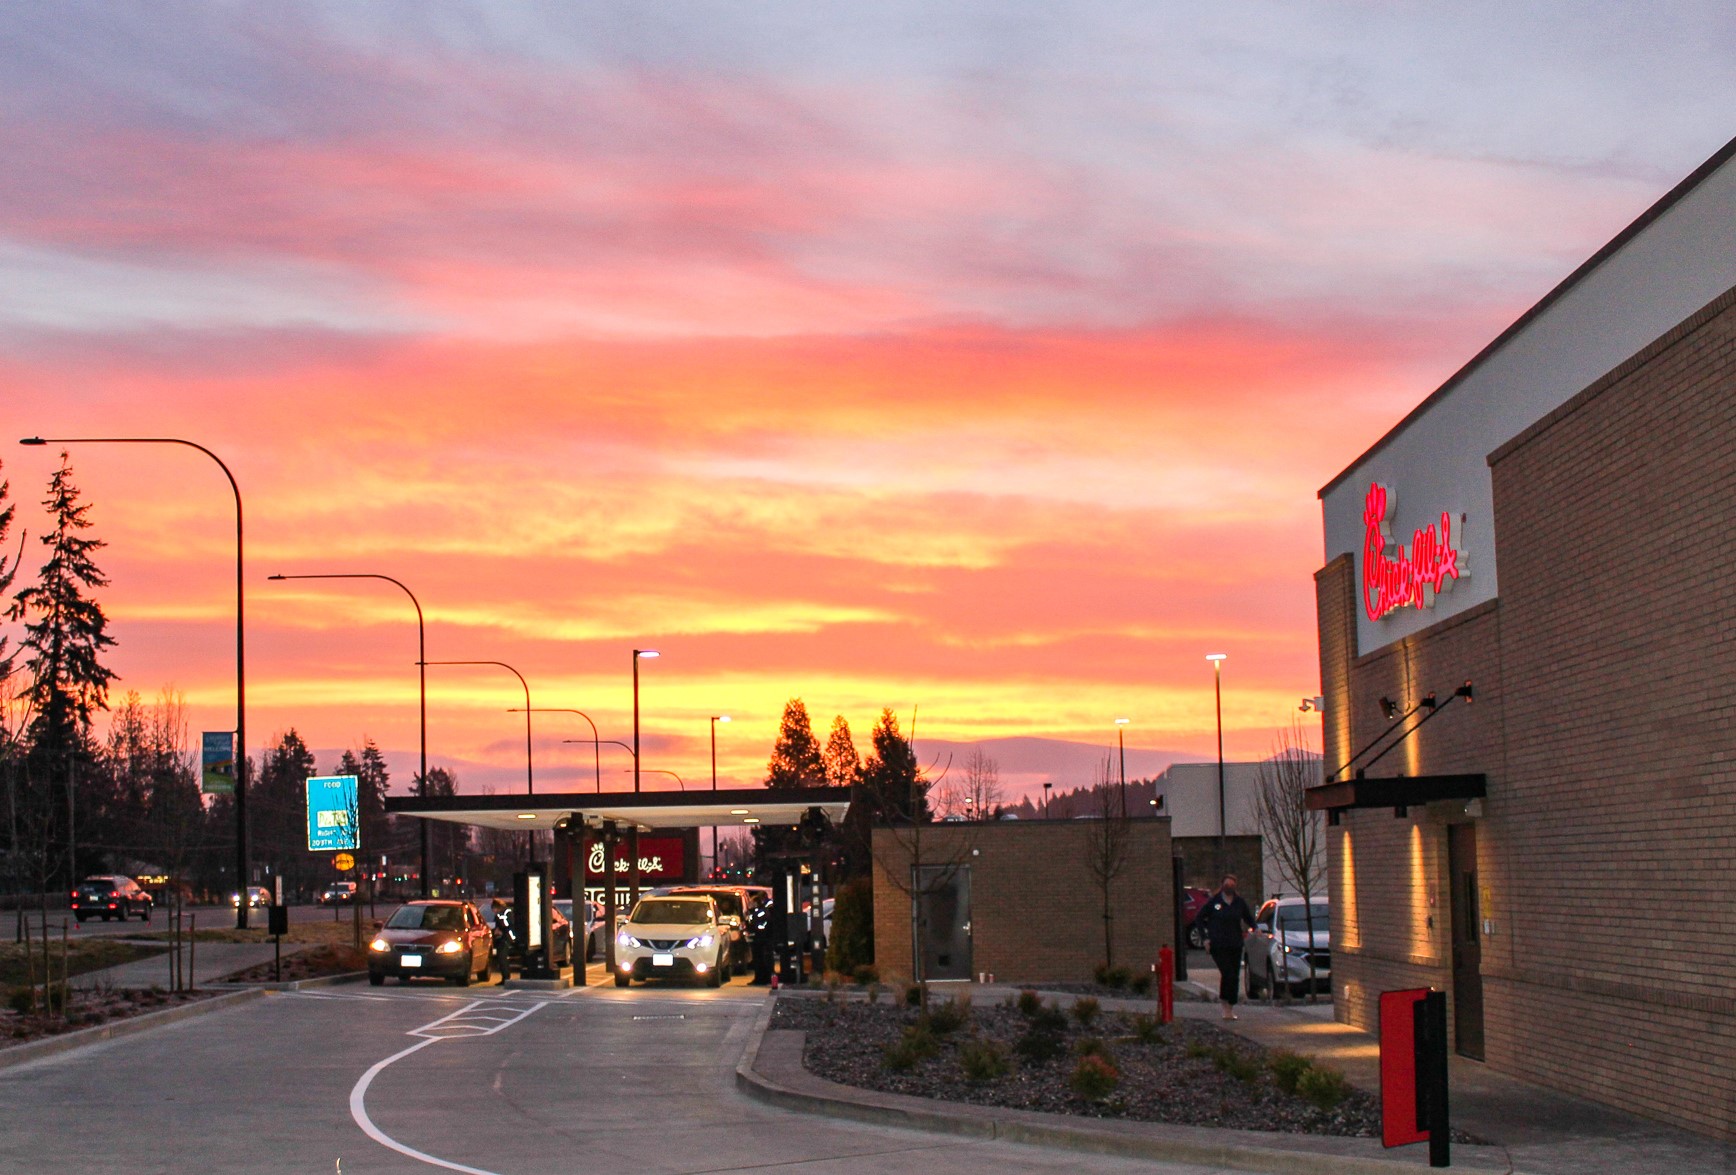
{"x": 1279, "y": 953}
{"x": 680, "y": 936}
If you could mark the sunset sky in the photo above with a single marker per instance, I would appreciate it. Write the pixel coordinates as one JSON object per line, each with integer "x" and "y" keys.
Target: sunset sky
{"x": 977, "y": 357}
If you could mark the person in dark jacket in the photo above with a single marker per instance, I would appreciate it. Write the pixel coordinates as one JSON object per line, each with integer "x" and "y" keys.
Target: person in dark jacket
{"x": 1226, "y": 921}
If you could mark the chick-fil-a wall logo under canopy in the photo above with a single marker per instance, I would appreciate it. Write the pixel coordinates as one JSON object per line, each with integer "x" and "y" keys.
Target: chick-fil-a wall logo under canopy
{"x": 1412, "y": 575}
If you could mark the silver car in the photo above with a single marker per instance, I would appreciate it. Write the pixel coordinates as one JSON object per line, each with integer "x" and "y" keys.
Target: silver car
{"x": 1279, "y": 951}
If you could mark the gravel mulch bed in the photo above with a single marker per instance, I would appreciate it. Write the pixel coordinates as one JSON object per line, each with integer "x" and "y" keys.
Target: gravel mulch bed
{"x": 1184, "y": 1075}
{"x": 90, "y": 1008}
{"x": 315, "y": 963}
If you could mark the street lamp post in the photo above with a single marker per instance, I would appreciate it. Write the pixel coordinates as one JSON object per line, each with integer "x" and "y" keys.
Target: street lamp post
{"x": 1217, "y": 660}
{"x": 529, "y": 784}
{"x": 596, "y": 755}
{"x": 1047, "y": 787}
{"x": 241, "y": 864}
{"x": 421, "y": 694}
{"x": 1121, "y": 745}
{"x": 664, "y": 771}
{"x": 637, "y": 655}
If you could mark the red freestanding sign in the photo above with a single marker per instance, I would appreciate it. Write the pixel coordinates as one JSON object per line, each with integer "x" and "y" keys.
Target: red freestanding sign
{"x": 1398, "y": 1068}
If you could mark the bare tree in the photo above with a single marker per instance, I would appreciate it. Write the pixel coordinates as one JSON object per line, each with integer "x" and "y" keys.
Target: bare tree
{"x": 1106, "y": 847}
{"x": 1293, "y": 835}
{"x": 975, "y": 792}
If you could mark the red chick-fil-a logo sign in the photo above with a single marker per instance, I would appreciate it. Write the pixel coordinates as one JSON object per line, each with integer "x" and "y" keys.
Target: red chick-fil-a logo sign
{"x": 1412, "y": 575}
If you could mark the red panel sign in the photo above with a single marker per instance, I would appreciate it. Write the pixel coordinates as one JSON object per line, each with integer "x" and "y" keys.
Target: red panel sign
{"x": 1398, "y": 1068}
{"x": 1416, "y": 574}
{"x": 661, "y": 858}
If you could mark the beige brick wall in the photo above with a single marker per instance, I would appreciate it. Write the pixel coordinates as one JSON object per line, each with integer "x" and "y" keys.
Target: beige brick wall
{"x": 1606, "y": 689}
{"x": 1036, "y": 913}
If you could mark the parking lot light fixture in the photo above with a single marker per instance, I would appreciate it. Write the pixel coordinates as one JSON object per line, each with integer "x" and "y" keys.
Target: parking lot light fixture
{"x": 638, "y": 656}
{"x": 1217, "y": 660}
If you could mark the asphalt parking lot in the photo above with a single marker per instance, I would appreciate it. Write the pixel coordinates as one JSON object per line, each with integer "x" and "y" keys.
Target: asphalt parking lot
{"x": 420, "y": 1078}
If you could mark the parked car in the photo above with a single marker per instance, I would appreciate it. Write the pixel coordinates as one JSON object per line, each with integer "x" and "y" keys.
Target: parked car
{"x": 339, "y": 893}
{"x": 110, "y": 897}
{"x": 1193, "y": 900}
{"x": 258, "y": 897}
{"x": 594, "y": 930}
{"x": 681, "y": 936}
{"x": 1277, "y": 951}
{"x": 447, "y": 940}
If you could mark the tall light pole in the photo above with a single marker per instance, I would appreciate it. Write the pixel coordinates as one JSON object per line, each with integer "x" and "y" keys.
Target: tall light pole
{"x": 715, "y": 719}
{"x": 596, "y": 753}
{"x": 529, "y": 786}
{"x": 1047, "y": 787}
{"x": 637, "y": 655}
{"x": 241, "y": 863}
{"x": 1121, "y": 745}
{"x": 421, "y": 693}
{"x": 1217, "y": 660}
{"x": 664, "y": 771}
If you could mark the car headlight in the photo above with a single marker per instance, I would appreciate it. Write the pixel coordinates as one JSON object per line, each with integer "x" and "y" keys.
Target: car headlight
{"x": 379, "y": 944}
{"x": 449, "y": 948}
{"x": 701, "y": 941}
{"x": 626, "y": 940}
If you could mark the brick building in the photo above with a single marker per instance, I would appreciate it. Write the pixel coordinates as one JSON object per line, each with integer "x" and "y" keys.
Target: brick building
{"x": 1016, "y": 899}
{"x": 1553, "y": 525}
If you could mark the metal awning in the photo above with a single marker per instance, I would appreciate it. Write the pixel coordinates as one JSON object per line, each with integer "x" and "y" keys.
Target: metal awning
{"x": 652, "y": 809}
{"x": 1396, "y": 791}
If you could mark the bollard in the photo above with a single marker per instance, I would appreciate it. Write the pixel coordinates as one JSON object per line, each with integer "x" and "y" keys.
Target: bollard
{"x": 1165, "y": 985}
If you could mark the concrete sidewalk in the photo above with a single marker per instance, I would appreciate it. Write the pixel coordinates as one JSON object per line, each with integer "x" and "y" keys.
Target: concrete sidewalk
{"x": 212, "y": 961}
{"x": 1545, "y": 1132}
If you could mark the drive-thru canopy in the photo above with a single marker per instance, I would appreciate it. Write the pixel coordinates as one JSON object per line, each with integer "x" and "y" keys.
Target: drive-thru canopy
{"x": 651, "y": 809}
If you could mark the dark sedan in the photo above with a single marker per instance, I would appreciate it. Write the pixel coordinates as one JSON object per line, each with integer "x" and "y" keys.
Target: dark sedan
{"x": 446, "y": 940}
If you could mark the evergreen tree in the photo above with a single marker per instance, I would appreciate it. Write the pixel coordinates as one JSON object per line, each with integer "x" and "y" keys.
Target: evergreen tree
{"x": 843, "y": 766}
{"x": 449, "y": 842}
{"x": 796, "y": 760}
{"x": 894, "y": 785}
{"x": 277, "y": 811}
{"x": 65, "y": 635}
{"x": 374, "y": 779}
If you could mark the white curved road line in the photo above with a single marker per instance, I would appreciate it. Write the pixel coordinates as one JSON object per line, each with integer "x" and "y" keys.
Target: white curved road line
{"x": 491, "y": 1023}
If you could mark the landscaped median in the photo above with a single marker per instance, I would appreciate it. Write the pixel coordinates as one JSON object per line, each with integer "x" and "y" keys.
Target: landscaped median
{"x": 1067, "y": 1073}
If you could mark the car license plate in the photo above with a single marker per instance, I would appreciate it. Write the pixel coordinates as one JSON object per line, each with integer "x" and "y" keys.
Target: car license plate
{"x": 411, "y": 960}
{"x": 663, "y": 960}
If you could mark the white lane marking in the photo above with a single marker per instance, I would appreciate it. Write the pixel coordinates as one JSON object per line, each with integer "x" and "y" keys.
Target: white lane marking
{"x": 477, "y": 1019}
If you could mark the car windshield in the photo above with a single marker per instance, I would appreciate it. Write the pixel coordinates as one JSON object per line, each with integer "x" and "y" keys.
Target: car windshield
{"x": 427, "y": 918}
{"x": 672, "y": 911}
{"x": 1296, "y": 918}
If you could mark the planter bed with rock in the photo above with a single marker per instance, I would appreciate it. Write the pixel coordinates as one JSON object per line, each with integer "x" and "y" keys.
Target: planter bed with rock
{"x": 1028, "y": 1054}
{"x": 88, "y": 1009}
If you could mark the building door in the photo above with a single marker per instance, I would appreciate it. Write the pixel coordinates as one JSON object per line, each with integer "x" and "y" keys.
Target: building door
{"x": 1467, "y": 943}
{"x": 943, "y": 921}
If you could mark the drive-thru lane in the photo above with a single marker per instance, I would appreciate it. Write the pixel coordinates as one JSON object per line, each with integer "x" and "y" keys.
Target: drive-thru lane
{"x": 422, "y": 1079}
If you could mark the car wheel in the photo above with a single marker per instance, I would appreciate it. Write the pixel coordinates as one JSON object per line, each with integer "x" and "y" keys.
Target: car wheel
{"x": 462, "y": 979}
{"x": 622, "y": 980}
{"x": 146, "y": 915}
{"x": 1196, "y": 938}
{"x": 715, "y": 978}
{"x": 375, "y": 979}
{"x": 1253, "y": 986}
{"x": 81, "y": 915}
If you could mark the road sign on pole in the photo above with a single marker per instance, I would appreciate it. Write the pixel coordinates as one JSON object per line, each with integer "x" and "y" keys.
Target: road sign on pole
{"x": 343, "y": 862}
{"x": 333, "y": 814}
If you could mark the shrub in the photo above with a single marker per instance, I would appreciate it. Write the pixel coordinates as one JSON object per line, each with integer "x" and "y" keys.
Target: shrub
{"x": 1146, "y": 1029}
{"x": 983, "y": 1060}
{"x": 1094, "y": 1078}
{"x": 1237, "y": 1064}
{"x": 946, "y": 1017}
{"x": 865, "y": 974}
{"x": 1050, "y": 1019}
{"x": 1030, "y": 1002}
{"x": 1085, "y": 1010}
{"x": 852, "y": 943}
{"x": 1113, "y": 977}
{"x": 874, "y": 990}
{"x": 1197, "y": 1051}
{"x": 1287, "y": 1068}
{"x": 1324, "y": 1088}
{"x": 1141, "y": 983}
{"x": 20, "y": 1000}
{"x": 1094, "y": 1046}
{"x": 915, "y": 1045}
{"x": 913, "y": 995}
{"x": 1039, "y": 1045}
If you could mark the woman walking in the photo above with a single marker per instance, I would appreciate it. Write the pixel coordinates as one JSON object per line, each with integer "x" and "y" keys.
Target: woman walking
{"x": 1226, "y": 920}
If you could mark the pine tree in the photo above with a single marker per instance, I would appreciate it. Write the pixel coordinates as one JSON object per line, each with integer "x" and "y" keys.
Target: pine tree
{"x": 895, "y": 787}
{"x": 66, "y": 639}
{"x": 373, "y": 781}
{"x": 796, "y": 760}
{"x": 843, "y": 766}
{"x": 65, "y": 634}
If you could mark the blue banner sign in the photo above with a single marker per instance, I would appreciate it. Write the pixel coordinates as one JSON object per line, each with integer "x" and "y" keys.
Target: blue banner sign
{"x": 217, "y": 762}
{"x": 333, "y": 817}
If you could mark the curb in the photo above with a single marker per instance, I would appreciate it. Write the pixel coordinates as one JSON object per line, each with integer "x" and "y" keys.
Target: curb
{"x": 66, "y": 1042}
{"x": 294, "y": 984}
{"x": 1157, "y": 1142}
